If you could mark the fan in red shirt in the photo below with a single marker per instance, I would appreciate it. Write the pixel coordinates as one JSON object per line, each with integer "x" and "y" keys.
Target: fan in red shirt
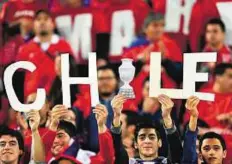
{"x": 64, "y": 144}
{"x": 80, "y": 26}
{"x": 215, "y": 42}
{"x": 42, "y": 51}
{"x": 185, "y": 20}
{"x": 23, "y": 12}
{"x": 213, "y": 113}
{"x": 154, "y": 40}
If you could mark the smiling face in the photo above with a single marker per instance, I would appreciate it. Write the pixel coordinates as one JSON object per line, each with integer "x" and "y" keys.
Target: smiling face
{"x": 61, "y": 141}
{"x": 9, "y": 149}
{"x": 148, "y": 143}
{"x": 212, "y": 151}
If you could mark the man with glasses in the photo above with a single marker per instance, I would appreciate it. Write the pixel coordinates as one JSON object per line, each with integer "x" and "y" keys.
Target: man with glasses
{"x": 107, "y": 86}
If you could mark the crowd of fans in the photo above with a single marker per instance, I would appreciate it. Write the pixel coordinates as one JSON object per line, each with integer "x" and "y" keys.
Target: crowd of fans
{"x": 118, "y": 130}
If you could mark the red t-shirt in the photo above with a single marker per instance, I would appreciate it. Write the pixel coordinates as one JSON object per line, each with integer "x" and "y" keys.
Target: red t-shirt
{"x": 208, "y": 110}
{"x": 47, "y": 137}
{"x": 14, "y": 10}
{"x": 224, "y": 55}
{"x": 185, "y": 20}
{"x": 79, "y": 26}
{"x": 9, "y": 50}
{"x": 44, "y": 74}
{"x": 172, "y": 51}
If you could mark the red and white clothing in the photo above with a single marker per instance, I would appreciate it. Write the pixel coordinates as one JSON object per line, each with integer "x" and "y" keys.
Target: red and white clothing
{"x": 42, "y": 55}
{"x": 224, "y": 55}
{"x": 79, "y": 26}
{"x": 185, "y": 20}
{"x": 105, "y": 155}
{"x": 14, "y": 10}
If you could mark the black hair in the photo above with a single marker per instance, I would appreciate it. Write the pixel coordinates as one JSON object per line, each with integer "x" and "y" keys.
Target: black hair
{"x": 146, "y": 125}
{"x": 132, "y": 117}
{"x": 68, "y": 127}
{"x": 62, "y": 158}
{"x": 221, "y": 68}
{"x": 212, "y": 135}
{"x": 13, "y": 133}
{"x": 217, "y": 21}
{"x": 108, "y": 67}
{"x": 44, "y": 11}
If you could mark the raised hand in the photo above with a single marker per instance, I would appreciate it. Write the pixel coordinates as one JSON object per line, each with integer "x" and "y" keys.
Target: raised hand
{"x": 117, "y": 104}
{"x": 21, "y": 121}
{"x": 34, "y": 119}
{"x": 101, "y": 117}
{"x": 191, "y": 105}
{"x": 166, "y": 105}
{"x": 57, "y": 112}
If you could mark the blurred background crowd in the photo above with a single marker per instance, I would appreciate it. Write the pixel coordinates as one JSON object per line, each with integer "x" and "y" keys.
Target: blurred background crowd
{"x": 40, "y": 30}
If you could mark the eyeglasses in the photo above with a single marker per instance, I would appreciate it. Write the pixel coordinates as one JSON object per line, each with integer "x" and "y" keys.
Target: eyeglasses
{"x": 106, "y": 78}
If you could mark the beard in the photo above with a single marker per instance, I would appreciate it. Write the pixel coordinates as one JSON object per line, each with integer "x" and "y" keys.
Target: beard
{"x": 43, "y": 33}
{"x": 106, "y": 94}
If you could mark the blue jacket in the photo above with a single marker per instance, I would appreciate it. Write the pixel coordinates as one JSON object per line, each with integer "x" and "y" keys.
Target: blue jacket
{"x": 189, "y": 150}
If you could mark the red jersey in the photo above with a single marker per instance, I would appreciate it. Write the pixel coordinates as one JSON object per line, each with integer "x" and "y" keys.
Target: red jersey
{"x": 9, "y": 50}
{"x": 79, "y": 26}
{"x": 185, "y": 19}
{"x": 47, "y": 137}
{"x": 105, "y": 155}
{"x": 224, "y": 55}
{"x": 42, "y": 55}
{"x": 172, "y": 51}
{"x": 14, "y": 10}
{"x": 208, "y": 111}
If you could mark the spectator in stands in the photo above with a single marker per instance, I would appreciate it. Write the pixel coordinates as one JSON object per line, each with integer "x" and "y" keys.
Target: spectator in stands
{"x": 216, "y": 113}
{"x": 129, "y": 120}
{"x": 215, "y": 42}
{"x": 155, "y": 40}
{"x": 22, "y": 13}
{"x": 62, "y": 113}
{"x": 11, "y": 146}
{"x": 87, "y": 33}
{"x": 64, "y": 144}
{"x": 212, "y": 148}
{"x": 148, "y": 148}
{"x": 42, "y": 51}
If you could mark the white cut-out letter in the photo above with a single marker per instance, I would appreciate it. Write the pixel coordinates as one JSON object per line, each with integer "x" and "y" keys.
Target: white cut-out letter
{"x": 190, "y": 76}
{"x": 14, "y": 102}
{"x": 91, "y": 80}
